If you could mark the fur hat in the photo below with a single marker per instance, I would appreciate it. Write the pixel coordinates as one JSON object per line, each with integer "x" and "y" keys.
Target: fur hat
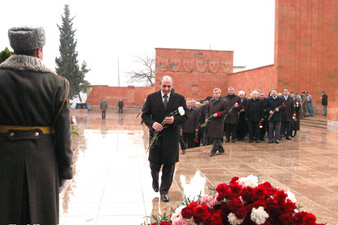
{"x": 26, "y": 38}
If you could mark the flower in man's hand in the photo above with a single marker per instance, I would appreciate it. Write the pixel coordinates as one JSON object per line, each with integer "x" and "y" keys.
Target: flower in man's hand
{"x": 181, "y": 111}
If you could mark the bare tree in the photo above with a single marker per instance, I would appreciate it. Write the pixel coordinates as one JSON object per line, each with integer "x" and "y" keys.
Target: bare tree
{"x": 147, "y": 74}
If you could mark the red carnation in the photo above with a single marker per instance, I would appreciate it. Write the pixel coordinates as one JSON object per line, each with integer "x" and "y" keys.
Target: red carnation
{"x": 200, "y": 210}
{"x": 286, "y": 219}
{"x": 222, "y": 188}
{"x": 290, "y": 206}
{"x": 187, "y": 212}
{"x": 218, "y": 114}
{"x": 234, "y": 179}
{"x": 165, "y": 223}
{"x": 304, "y": 218}
{"x": 243, "y": 106}
{"x": 192, "y": 205}
{"x": 241, "y": 213}
{"x": 235, "y": 204}
{"x": 284, "y": 105}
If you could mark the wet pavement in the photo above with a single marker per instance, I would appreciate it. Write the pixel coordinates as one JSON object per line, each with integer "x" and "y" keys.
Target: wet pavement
{"x": 112, "y": 182}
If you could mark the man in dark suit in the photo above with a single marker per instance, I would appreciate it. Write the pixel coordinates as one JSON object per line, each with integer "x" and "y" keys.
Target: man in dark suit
{"x": 166, "y": 151}
{"x": 253, "y": 114}
{"x": 190, "y": 126}
{"x": 232, "y": 118}
{"x": 103, "y": 107}
{"x": 35, "y": 162}
{"x": 273, "y": 107}
{"x": 120, "y": 105}
{"x": 217, "y": 108}
{"x": 242, "y": 125}
{"x": 264, "y": 123}
{"x": 324, "y": 102}
{"x": 287, "y": 113}
{"x": 205, "y": 138}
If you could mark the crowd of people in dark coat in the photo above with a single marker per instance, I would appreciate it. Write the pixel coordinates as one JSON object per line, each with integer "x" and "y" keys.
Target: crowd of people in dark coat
{"x": 231, "y": 118}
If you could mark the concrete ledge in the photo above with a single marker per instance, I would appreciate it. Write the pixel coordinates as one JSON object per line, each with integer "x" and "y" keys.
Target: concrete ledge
{"x": 332, "y": 125}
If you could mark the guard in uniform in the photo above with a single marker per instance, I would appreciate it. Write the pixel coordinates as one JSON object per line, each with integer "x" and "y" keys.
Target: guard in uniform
{"x": 35, "y": 133}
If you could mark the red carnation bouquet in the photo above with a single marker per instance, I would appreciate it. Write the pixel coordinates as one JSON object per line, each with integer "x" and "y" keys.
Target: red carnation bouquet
{"x": 241, "y": 202}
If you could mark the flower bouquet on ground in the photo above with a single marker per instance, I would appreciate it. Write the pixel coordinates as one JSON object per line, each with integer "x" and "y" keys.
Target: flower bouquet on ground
{"x": 241, "y": 202}
{"x": 283, "y": 105}
{"x": 180, "y": 111}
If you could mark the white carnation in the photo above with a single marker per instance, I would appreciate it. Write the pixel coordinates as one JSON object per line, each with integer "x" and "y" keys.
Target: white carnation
{"x": 291, "y": 196}
{"x": 259, "y": 215}
{"x": 250, "y": 181}
{"x": 233, "y": 220}
{"x": 181, "y": 111}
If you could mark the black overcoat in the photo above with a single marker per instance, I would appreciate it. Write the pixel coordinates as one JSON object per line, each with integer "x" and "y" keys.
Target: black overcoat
{"x": 242, "y": 124}
{"x": 30, "y": 95}
{"x": 254, "y": 110}
{"x": 271, "y": 105}
{"x": 216, "y": 124}
{"x": 166, "y": 151}
{"x": 288, "y": 111}
{"x": 232, "y": 118}
{"x": 192, "y": 121}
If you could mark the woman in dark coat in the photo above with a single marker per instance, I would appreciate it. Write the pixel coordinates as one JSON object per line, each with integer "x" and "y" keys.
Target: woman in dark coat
{"x": 218, "y": 108}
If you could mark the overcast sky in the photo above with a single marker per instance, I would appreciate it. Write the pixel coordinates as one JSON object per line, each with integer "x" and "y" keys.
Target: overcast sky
{"x": 122, "y": 29}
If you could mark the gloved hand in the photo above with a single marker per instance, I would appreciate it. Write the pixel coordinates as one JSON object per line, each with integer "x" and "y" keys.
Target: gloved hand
{"x": 62, "y": 185}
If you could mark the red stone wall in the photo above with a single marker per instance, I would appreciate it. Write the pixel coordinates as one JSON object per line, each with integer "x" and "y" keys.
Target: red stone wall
{"x": 259, "y": 79}
{"x": 131, "y": 96}
{"x": 306, "y": 46}
{"x": 195, "y": 72}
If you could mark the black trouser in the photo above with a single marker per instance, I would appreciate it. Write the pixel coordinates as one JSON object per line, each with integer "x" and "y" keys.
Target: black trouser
{"x": 274, "y": 130}
{"x": 181, "y": 141}
{"x": 167, "y": 176}
{"x": 217, "y": 145}
{"x": 254, "y": 131}
{"x": 263, "y": 129}
{"x": 120, "y": 109}
{"x": 206, "y": 139}
{"x": 103, "y": 114}
{"x": 286, "y": 128}
{"x": 189, "y": 139}
{"x": 230, "y": 130}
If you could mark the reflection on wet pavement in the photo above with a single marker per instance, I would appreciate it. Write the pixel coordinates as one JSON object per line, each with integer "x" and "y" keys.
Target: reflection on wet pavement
{"x": 112, "y": 182}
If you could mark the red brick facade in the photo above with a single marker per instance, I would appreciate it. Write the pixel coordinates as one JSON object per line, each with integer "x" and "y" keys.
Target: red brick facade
{"x": 131, "y": 96}
{"x": 195, "y": 72}
{"x": 260, "y": 79}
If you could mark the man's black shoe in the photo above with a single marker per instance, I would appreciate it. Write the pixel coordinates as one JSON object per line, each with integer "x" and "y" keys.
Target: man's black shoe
{"x": 155, "y": 188}
{"x": 212, "y": 154}
{"x": 165, "y": 198}
{"x": 183, "y": 151}
{"x": 250, "y": 141}
{"x": 227, "y": 140}
{"x": 287, "y": 138}
{"x": 270, "y": 142}
{"x": 277, "y": 142}
{"x": 262, "y": 139}
{"x": 233, "y": 141}
{"x": 220, "y": 153}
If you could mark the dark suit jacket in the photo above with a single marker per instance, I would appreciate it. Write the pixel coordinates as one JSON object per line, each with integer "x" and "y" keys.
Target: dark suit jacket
{"x": 254, "y": 110}
{"x": 230, "y": 101}
{"x": 167, "y": 149}
{"x": 216, "y": 124}
{"x": 191, "y": 123}
{"x": 120, "y": 104}
{"x": 324, "y": 99}
{"x": 288, "y": 111}
{"x": 271, "y": 104}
